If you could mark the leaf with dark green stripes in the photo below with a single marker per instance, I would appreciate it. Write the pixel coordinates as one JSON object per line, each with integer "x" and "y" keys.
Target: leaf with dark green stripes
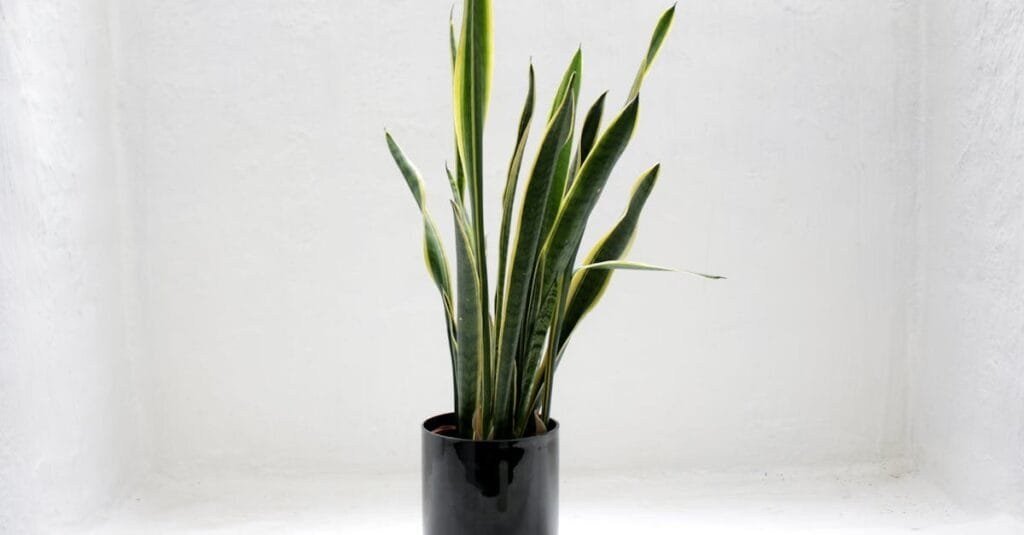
{"x": 588, "y": 134}
{"x": 507, "y": 201}
{"x": 469, "y": 318}
{"x": 570, "y": 86}
{"x": 433, "y": 250}
{"x": 580, "y": 201}
{"x": 471, "y": 92}
{"x": 571, "y": 81}
{"x": 532, "y": 368}
{"x": 565, "y": 236}
{"x": 453, "y": 184}
{"x": 660, "y": 32}
{"x": 459, "y": 179}
{"x": 504, "y": 359}
{"x": 587, "y": 287}
{"x": 437, "y": 261}
{"x": 524, "y": 256}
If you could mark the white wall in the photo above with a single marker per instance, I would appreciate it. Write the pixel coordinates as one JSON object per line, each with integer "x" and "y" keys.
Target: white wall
{"x": 208, "y": 261}
{"x": 67, "y": 417}
{"x": 968, "y": 374}
{"x": 290, "y": 324}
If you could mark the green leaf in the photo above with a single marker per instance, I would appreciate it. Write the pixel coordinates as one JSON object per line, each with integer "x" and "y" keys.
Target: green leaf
{"x": 471, "y": 364}
{"x": 437, "y": 261}
{"x": 571, "y": 80}
{"x": 579, "y": 203}
{"x": 587, "y": 287}
{"x": 564, "y": 238}
{"x": 471, "y": 92}
{"x": 433, "y": 250}
{"x": 570, "y": 86}
{"x": 511, "y": 183}
{"x": 459, "y": 180}
{"x": 627, "y": 265}
{"x": 702, "y": 275}
{"x": 453, "y": 42}
{"x": 553, "y": 354}
{"x": 524, "y": 257}
{"x": 565, "y": 168}
{"x": 588, "y": 135}
{"x": 453, "y": 183}
{"x": 532, "y": 369}
{"x": 660, "y": 32}
{"x": 548, "y": 365}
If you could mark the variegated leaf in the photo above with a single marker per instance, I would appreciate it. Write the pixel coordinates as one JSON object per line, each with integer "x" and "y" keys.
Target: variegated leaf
{"x": 524, "y": 257}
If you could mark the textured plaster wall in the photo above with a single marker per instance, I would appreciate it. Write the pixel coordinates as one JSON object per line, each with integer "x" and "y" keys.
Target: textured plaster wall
{"x": 967, "y": 379}
{"x": 290, "y": 324}
{"x": 207, "y": 260}
{"x": 68, "y": 425}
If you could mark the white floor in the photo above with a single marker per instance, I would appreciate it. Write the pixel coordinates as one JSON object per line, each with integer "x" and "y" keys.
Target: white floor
{"x": 772, "y": 503}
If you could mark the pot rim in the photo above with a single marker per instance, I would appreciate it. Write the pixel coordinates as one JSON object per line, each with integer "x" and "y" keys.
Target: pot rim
{"x": 551, "y": 433}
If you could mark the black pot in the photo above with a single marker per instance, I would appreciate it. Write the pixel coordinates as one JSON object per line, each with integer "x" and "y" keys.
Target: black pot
{"x": 489, "y": 487}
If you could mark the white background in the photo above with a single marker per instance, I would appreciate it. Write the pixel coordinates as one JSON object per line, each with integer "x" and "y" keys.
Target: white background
{"x": 209, "y": 265}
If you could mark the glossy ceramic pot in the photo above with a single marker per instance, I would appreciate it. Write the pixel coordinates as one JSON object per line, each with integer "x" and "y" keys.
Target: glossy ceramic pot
{"x": 489, "y": 487}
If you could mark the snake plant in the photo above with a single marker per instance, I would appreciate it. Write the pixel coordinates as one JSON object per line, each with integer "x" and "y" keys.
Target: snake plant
{"x": 504, "y": 352}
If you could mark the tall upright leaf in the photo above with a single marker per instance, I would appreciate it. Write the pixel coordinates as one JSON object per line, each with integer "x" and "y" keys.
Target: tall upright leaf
{"x": 511, "y": 182}
{"x": 471, "y": 92}
{"x": 558, "y": 301}
{"x": 565, "y": 236}
{"x": 583, "y": 195}
{"x": 459, "y": 179}
{"x": 588, "y": 136}
{"x": 471, "y": 364}
{"x": 548, "y": 365}
{"x": 524, "y": 256}
{"x": 532, "y": 363}
{"x": 570, "y": 85}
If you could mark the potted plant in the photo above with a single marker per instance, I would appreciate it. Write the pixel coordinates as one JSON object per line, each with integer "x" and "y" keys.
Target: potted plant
{"x": 491, "y": 466}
